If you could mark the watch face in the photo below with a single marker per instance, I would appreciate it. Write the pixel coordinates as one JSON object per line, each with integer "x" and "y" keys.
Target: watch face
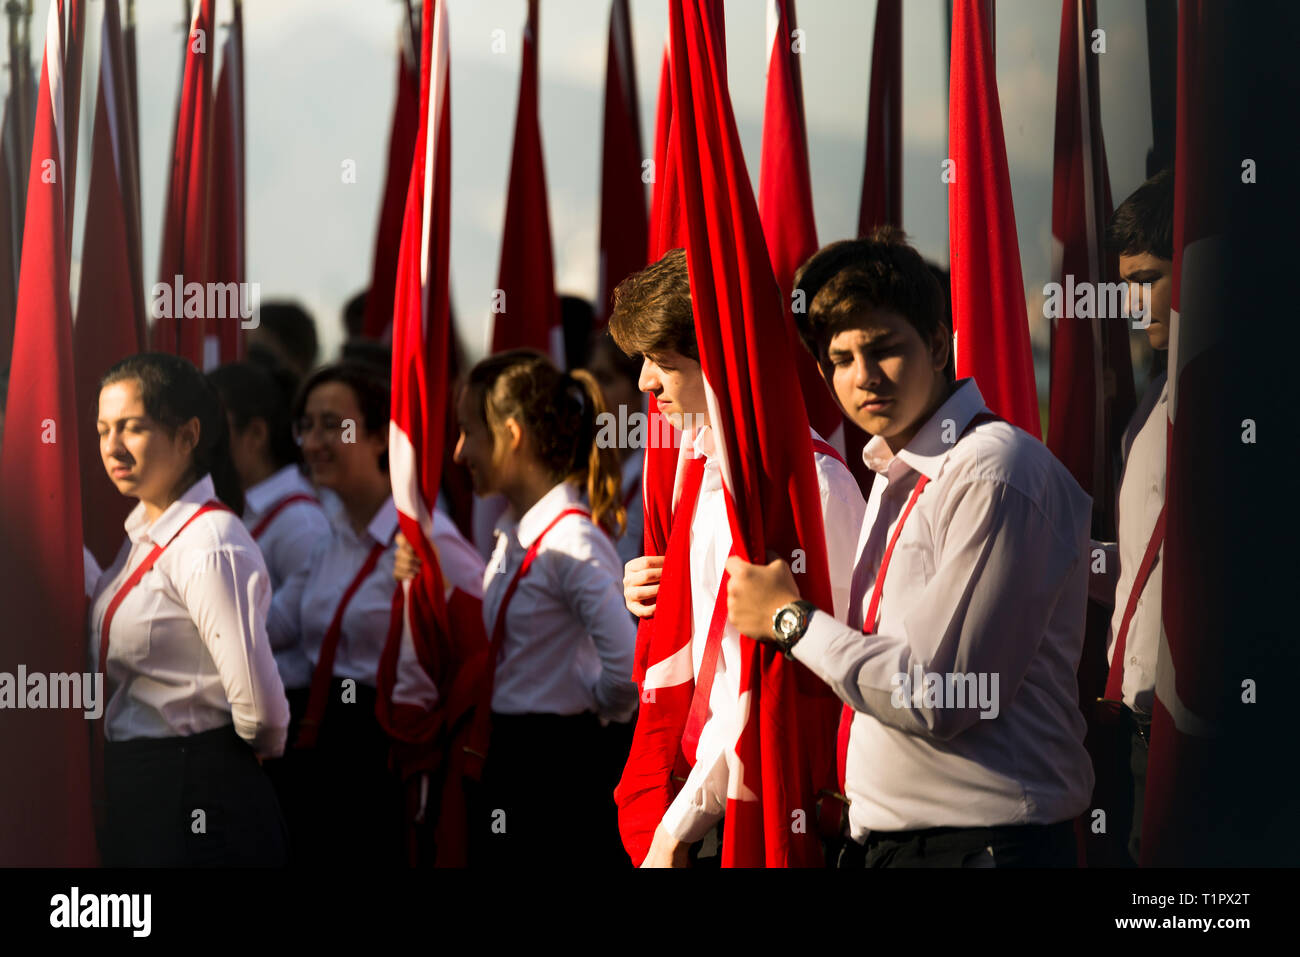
{"x": 787, "y": 623}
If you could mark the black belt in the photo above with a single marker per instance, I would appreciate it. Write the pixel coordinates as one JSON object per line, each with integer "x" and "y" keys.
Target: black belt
{"x": 876, "y": 837}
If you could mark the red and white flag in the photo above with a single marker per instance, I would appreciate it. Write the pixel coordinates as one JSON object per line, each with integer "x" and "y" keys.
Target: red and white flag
{"x": 526, "y": 312}
{"x": 768, "y": 474}
{"x": 40, "y": 523}
{"x": 882, "y": 174}
{"x": 436, "y": 640}
{"x": 990, "y": 324}
{"x": 623, "y": 222}
{"x": 185, "y": 252}
{"x": 111, "y": 303}
{"x": 1084, "y": 422}
{"x": 378, "y": 320}
{"x": 785, "y": 202}
{"x": 223, "y": 338}
{"x": 1188, "y": 719}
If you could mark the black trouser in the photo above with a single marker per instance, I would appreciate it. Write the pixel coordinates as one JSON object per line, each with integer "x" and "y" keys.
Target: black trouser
{"x": 1137, "y": 762}
{"x": 192, "y": 801}
{"x": 543, "y": 799}
{"x": 1024, "y": 845}
{"x": 342, "y": 803}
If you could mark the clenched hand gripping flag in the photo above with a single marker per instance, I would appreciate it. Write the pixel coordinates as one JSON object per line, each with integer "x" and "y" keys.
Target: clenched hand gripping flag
{"x": 185, "y": 224}
{"x": 990, "y": 325}
{"x": 530, "y": 315}
{"x": 111, "y": 304}
{"x": 1195, "y": 688}
{"x": 436, "y": 638}
{"x": 785, "y": 199}
{"x": 774, "y": 503}
{"x": 40, "y": 519}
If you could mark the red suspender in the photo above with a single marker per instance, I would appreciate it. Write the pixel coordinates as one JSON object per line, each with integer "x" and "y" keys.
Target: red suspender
{"x": 279, "y": 507}
{"x": 873, "y": 607}
{"x": 318, "y": 697}
{"x": 139, "y": 573}
{"x": 1115, "y": 679}
{"x": 822, "y": 447}
{"x": 480, "y": 733}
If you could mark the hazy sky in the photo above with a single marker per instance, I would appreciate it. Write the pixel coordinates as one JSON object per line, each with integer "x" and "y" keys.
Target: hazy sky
{"x": 320, "y": 84}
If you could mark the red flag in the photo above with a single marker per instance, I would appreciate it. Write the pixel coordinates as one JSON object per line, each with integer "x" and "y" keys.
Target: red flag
{"x": 378, "y": 321}
{"x": 110, "y": 305}
{"x": 15, "y": 161}
{"x": 785, "y": 198}
{"x": 882, "y": 176}
{"x": 446, "y": 635}
{"x": 768, "y": 473}
{"x": 226, "y": 203}
{"x": 1191, "y": 703}
{"x": 529, "y": 315}
{"x": 663, "y": 236}
{"x": 74, "y": 32}
{"x": 990, "y": 325}
{"x": 1086, "y": 353}
{"x": 623, "y": 221}
{"x": 185, "y": 224}
{"x": 40, "y": 522}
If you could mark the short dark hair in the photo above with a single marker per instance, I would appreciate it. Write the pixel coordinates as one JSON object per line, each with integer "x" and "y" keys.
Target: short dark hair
{"x": 652, "y": 309}
{"x": 842, "y": 281}
{"x": 371, "y": 389}
{"x": 577, "y": 317}
{"x": 293, "y": 328}
{"x": 1144, "y": 223}
{"x": 354, "y": 314}
{"x": 250, "y": 392}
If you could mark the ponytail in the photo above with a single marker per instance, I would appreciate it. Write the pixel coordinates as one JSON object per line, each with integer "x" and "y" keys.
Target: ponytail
{"x": 174, "y": 391}
{"x": 598, "y": 465}
{"x": 560, "y": 412}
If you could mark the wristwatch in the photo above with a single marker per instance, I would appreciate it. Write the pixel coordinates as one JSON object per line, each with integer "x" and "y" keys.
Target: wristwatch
{"x": 790, "y": 622}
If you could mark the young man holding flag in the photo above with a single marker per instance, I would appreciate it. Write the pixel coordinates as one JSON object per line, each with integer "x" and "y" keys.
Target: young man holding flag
{"x": 964, "y": 743}
{"x": 1141, "y": 232}
{"x": 653, "y": 318}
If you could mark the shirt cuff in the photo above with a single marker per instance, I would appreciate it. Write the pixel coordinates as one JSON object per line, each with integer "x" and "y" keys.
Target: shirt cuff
{"x": 687, "y": 821}
{"x": 811, "y": 650}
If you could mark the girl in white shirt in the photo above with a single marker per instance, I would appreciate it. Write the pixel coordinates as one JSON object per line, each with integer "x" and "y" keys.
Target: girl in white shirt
{"x": 177, "y": 624}
{"x": 339, "y": 608}
{"x": 565, "y": 644}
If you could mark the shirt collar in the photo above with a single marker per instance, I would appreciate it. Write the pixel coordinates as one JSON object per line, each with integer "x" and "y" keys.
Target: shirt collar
{"x": 544, "y": 510}
{"x": 164, "y": 528}
{"x": 926, "y": 452}
{"x": 382, "y": 527}
{"x": 267, "y": 492}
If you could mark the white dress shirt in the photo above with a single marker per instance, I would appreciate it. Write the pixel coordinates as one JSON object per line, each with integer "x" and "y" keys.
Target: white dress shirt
{"x": 1141, "y": 496}
{"x": 462, "y": 568}
{"x": 703, "y": 798}
{"x": 287, "y": 545}
{"x": 632, "y": 544}
{"x": 91, "y": 571}
{"x": 305, "y": 605}
{"x": 188, "y": 649}
{"x": 569, "y": 640}
{"x": 989, "y": 578}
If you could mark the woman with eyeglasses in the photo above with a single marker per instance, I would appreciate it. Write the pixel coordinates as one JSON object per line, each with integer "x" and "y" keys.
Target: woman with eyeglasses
{"x": 177, "y": 624}
{"x": 340, "y": 607}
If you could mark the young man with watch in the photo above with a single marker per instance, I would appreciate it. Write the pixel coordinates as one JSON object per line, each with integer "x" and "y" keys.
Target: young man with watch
{"x": 964, "y": 745}
{"x": 652, "y": 318}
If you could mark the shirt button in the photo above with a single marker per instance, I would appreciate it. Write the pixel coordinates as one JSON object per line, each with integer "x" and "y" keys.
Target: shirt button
{"x": 1133, "y": 660}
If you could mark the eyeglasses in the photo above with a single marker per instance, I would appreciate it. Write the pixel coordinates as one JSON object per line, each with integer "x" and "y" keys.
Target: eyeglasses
{"x": 331, "y": 425}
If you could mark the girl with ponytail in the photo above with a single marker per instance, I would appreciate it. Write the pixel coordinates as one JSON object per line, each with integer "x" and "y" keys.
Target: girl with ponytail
{"x": 178, "y": 626}
{"x": 552, "y": 607}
